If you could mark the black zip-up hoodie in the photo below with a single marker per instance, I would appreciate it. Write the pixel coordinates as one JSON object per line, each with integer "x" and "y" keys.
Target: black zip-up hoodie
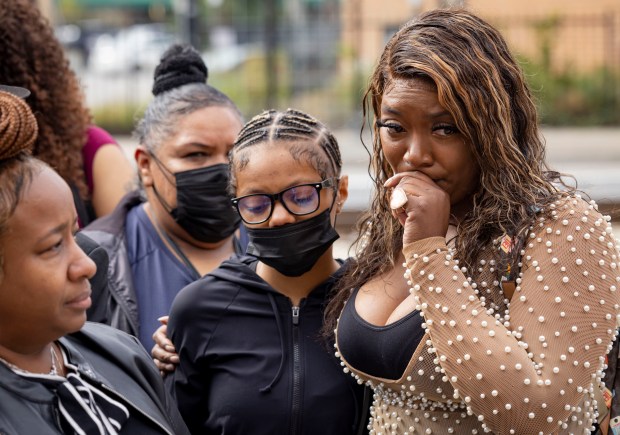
{"x": 252, "y": 364}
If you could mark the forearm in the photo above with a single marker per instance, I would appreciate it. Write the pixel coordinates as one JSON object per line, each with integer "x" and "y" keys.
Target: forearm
{"x": 547, "y": 349}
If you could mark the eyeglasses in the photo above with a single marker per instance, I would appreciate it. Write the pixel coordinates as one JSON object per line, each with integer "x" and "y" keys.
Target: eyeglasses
{"x": 298, "y": 200}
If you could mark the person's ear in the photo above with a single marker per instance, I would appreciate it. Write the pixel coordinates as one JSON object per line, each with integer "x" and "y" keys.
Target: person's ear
{"x": 343, "y": 192}
{"x": 143, "y": 162}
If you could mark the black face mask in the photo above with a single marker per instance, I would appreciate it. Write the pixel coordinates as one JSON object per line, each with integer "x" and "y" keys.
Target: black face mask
{"x": 295, "y": 248}
{"x": 203, "y": 203}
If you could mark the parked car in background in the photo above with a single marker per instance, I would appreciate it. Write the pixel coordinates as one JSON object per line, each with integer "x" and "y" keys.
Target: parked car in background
{"x": 78, "y": 38}
{"x": 130, "y": 49}
{"x": 222, "y": 59}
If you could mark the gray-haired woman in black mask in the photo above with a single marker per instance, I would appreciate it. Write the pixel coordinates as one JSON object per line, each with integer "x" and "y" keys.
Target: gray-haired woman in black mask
{"x": 251, "y": 356}
{"x": 180, "y": 225}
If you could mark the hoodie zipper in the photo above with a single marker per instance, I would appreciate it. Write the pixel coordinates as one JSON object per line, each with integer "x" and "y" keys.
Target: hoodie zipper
{"x": 295, "y": 407}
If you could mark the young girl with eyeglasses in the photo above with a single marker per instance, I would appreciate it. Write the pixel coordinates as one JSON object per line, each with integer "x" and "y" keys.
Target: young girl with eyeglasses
{"x": 252, "y": 359}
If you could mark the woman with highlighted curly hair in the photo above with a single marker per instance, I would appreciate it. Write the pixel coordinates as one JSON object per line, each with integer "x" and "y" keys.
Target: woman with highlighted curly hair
{"x": 509, "y": 298}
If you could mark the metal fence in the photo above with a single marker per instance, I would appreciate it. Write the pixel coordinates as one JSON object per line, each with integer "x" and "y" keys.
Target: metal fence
{"x": 300, "y": 58}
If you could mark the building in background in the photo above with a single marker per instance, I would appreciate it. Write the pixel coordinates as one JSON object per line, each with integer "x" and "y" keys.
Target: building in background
{"x": 569, "y": 49}
{"x": 582, "y": 34}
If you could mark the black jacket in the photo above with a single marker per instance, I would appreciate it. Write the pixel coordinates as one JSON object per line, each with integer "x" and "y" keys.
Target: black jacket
{"x": 251, "y": 363}
{"x": 116, "y": 304}
{"x": 113, "y": 361}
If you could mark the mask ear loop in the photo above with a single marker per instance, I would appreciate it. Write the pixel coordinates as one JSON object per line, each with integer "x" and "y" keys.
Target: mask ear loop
{"x": 166, "y": 173}
{"x": 162, "y": 233}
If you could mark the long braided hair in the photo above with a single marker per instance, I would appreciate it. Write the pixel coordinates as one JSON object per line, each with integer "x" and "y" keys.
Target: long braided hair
{"x": 273, "y": 126}
{"x": 479, "y": 82}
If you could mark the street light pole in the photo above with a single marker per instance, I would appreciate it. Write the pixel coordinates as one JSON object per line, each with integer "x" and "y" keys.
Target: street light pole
{"x": 187, "y": 21}
{"x": 271, "y": 45}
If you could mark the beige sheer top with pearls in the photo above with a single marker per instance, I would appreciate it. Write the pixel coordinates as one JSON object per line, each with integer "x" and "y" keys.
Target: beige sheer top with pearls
{"x": 524, "y": 366}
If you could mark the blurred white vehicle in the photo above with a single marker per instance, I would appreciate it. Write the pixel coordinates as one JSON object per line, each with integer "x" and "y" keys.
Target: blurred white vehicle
{"x": 130, "y": 49}
{"x": 224, "y": 59}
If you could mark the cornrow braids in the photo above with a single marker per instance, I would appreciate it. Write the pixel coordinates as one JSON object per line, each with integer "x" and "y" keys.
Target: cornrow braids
{"x": 292, "y": 125}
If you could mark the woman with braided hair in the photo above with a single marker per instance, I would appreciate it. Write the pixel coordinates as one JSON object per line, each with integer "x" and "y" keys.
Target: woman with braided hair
{"x": 510, "y": 295}
{"x": 86, "y": 156}
{"x": 58, "y": 374}
{"x": 252, "y": 360}
{"x": 180, "y": 224}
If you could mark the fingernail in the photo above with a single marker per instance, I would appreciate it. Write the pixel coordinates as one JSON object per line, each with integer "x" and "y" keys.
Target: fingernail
{"x": 174, "y": 359}
{"x": 398, "y": 199}
{"x": 169, "y": 347}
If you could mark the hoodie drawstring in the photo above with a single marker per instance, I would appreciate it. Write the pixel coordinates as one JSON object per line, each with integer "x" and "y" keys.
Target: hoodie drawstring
{"x": 275, "y": 379}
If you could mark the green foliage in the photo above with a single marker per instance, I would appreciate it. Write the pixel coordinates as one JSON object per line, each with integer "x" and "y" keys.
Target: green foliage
{"x": 566, "y": 95}
{"x": 72, "y": 10}
{"x": 246, "y": 85}
{"x": 118, "y": 118}
{"x": 563, "y": 98}
{"x": 546, "y": 30}
{"x": 578, "y": 99}
{"x": 337, "y": 101}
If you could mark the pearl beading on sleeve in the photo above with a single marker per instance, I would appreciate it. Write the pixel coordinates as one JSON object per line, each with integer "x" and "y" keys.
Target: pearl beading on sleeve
{"x": 525, "y": 366}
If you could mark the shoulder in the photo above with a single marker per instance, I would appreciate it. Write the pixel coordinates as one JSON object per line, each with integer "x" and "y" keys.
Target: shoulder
{"x": 110, "y": 338}
{"x": 104, "y": 346}
{"x": 572, "y": 215}
{"x": 570, "y": 204}
{"x": 209, "y": 294}
{"x": 572, "y": 239}
{"x": 114, "y": 223}
{"x": 203, "y": 303}
{"x": 97, "y": 137}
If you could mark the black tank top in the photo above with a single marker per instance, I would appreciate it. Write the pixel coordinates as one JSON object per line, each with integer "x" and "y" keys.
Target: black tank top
{"x": 380, "y": 351}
